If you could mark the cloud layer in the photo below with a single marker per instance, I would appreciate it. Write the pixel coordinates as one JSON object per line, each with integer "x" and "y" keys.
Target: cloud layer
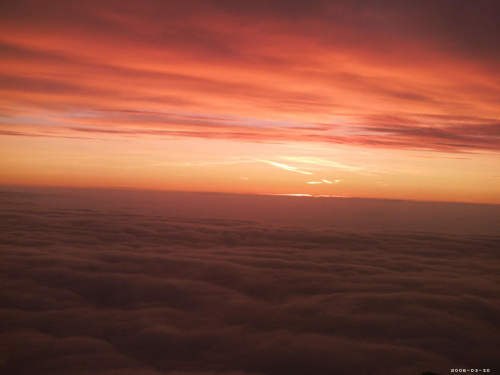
{"x": 394, "y": 74}
{"x": 99, "y": 291}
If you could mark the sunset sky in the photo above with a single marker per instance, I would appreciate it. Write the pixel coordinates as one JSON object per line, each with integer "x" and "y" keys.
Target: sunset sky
{"x": 383, "y": 99}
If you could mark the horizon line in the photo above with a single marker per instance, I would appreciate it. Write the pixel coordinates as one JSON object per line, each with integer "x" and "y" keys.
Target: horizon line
{"x": 291, "y": 195}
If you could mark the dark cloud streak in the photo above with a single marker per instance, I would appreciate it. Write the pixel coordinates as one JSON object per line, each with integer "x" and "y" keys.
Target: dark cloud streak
{"x": 413, "y": 131}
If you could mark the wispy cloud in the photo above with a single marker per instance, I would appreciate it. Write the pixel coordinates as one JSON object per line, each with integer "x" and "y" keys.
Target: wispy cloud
{"x": 206, "y": 163}
{"x": 284, "y": 166}
{"x": 319, "y": 162}
{"x": 324, "y": 182}
{"x": 404, "y": 131}
{"x": 132, "y": 71}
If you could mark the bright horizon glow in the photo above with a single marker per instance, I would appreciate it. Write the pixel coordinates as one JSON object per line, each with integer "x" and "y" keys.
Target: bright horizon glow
{"x": 347, "y": 99}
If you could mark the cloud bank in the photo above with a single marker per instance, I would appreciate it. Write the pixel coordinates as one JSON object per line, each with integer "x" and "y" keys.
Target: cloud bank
{"x": 108, "y": 291}
{"x": 349, "y": 72}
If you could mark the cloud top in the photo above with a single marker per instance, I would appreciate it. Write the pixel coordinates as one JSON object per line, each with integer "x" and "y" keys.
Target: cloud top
{"x": 99, "y": 291}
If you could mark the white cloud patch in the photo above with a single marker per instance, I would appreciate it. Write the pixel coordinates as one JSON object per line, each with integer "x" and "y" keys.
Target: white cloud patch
{"x": 324, "y": 181}
{"x": 284, "y": 166}
{"x": 322, "y": 163}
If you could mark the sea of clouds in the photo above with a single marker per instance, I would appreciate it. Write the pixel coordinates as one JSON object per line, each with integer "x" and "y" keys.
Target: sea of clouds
{"x": 113, "y": 291}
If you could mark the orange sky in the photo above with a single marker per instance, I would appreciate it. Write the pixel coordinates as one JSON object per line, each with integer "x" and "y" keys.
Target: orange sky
{"x": 389, "y": 99}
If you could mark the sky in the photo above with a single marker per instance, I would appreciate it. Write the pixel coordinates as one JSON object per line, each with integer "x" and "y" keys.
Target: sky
{"x": 386, "y": 99}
